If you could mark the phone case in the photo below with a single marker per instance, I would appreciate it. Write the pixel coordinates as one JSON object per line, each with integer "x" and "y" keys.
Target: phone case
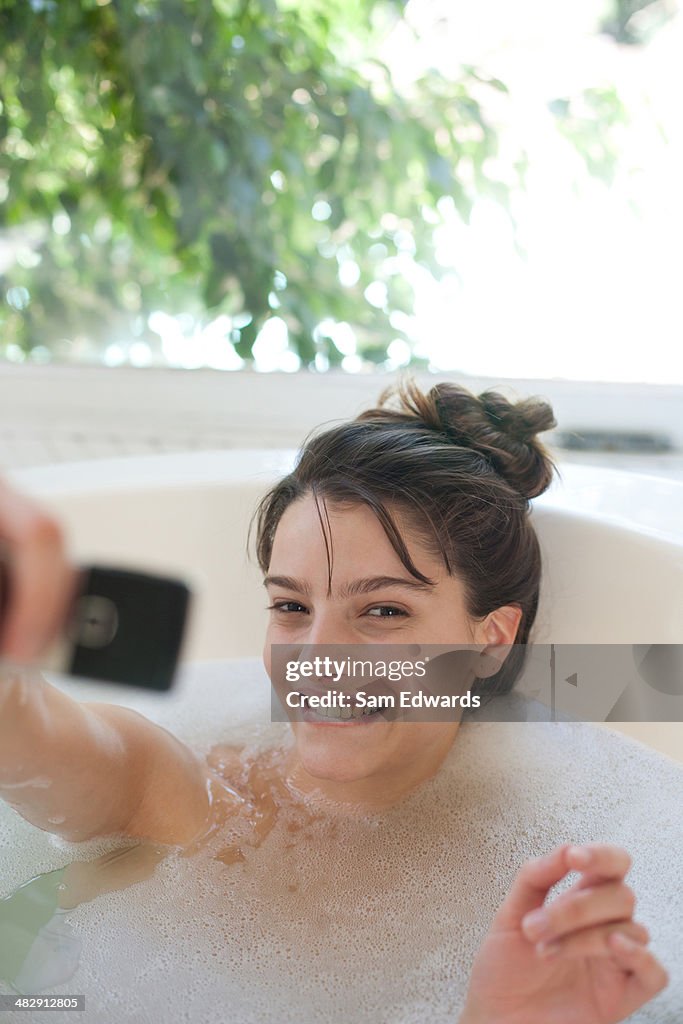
{"x": 123, "y": 626}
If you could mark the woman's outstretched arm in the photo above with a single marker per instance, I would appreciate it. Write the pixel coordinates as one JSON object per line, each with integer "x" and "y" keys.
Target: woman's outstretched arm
{"x": 86, "y": 769}
{"x": 76, "y": 769}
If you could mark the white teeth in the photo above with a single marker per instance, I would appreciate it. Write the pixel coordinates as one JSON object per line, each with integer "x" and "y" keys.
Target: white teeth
{"x": 343, "y": 714}
{"x": 328, "y": 712}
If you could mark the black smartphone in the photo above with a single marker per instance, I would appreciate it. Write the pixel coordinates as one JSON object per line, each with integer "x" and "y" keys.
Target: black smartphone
{"x": 123, "y": 626}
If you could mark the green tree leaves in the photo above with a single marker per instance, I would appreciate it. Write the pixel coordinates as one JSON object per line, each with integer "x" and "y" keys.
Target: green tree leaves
{"x": 186, "y": 155}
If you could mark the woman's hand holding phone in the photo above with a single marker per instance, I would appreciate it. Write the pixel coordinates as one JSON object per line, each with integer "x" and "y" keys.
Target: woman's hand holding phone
{"x": 87, "y": 769}
{"x": 117, "y": 625}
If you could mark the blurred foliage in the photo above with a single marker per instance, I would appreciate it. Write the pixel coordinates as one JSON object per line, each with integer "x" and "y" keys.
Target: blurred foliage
{"x": 633, "y": 22}
{"x": 592, "y": 122}
{"x": 219, "y": 156}
{"x": 209, "y": 157}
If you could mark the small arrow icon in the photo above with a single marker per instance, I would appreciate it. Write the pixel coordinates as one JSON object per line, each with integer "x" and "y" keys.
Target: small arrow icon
{"x": 572, "y": 679}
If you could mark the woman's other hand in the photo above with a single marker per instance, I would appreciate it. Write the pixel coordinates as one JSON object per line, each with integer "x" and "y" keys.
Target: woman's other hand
{"x": 577, "y": 959}
{"x": 41, "y": 580}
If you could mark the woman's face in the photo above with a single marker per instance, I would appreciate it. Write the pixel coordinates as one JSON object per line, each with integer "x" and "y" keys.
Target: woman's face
{"x": 373, "y": 600}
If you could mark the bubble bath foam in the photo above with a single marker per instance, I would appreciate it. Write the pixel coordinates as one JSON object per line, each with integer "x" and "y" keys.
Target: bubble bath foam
{"x": 286, "y": 912}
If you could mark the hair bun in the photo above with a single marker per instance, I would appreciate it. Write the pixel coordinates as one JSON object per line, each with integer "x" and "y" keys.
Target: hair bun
{"x": 501, "y": 430}
{"x": 521, "y": 420}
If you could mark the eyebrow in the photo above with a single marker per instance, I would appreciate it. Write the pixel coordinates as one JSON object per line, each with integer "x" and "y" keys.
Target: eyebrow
{"x": 367, "y": 585}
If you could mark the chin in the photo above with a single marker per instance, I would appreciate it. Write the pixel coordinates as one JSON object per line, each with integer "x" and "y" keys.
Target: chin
{"x": 326, "y": 759}
{"x": 332, "y": 772}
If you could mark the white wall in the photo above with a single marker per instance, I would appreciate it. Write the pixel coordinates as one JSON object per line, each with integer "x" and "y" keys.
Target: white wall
{"x": 61, "y": 413}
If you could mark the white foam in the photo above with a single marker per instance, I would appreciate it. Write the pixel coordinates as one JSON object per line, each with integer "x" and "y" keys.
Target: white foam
{"x": 338, "y": 919}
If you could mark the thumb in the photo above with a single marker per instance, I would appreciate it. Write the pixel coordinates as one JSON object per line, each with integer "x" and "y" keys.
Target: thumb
{"x": 531, "y": 886}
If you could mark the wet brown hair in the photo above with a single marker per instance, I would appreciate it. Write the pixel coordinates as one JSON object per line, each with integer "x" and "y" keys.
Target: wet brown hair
{"x": 460, "y": 468}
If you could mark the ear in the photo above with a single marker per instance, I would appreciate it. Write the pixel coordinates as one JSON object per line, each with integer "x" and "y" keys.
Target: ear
{"x": 500, "y": 626}
{"x": 497, "y": 632}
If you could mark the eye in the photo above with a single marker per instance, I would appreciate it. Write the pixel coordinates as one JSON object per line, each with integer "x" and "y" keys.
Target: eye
{"x": 386, "y": 611}
{"x": 288, "y": 607}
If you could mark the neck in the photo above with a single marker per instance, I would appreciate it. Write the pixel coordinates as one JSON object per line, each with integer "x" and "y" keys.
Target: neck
{"x": 381, "y": 789}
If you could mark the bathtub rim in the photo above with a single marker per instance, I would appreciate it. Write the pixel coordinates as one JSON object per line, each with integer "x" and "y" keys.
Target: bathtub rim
{"x": 612, "y": 496}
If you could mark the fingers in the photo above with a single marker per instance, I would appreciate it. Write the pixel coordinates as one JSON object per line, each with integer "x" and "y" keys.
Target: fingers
{"x": 580, "y": 908}
{"x": 37, "y": 583}
{"x": 591, "y": 919}
{"x": 625, "y": 944}
{"x": 648, "y": 977}
{"x": 531, "y": 885}
{"x": 594, "y": 918}
{"x": 592, "y": 941}
{"x": 597, "y": 862}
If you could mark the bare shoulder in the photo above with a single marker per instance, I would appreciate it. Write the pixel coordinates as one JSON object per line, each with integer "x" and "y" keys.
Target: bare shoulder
{"x": 166, "y": 780}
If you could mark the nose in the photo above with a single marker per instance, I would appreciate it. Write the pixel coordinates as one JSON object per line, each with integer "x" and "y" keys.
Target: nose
{"x": 327, "y": 628}
{"x": 330, "y": 636}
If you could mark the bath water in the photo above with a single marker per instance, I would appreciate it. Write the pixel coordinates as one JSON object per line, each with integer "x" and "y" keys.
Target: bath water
{"x": 292, "y": 910}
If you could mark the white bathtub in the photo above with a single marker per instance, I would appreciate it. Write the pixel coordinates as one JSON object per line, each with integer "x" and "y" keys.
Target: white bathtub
{"x": 612, "y": 546}
{"x": 613, "y": 572}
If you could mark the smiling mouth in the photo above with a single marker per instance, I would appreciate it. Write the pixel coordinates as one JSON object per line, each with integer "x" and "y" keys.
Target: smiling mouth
{"x": 354, "y": 714}
{"x": 342, "y": 716}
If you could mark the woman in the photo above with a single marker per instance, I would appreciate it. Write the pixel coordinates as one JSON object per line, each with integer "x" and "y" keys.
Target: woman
{"x": 407, "y": 525}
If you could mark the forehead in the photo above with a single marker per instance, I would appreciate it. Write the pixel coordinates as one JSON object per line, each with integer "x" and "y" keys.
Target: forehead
{"x": 355, "y": 535}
